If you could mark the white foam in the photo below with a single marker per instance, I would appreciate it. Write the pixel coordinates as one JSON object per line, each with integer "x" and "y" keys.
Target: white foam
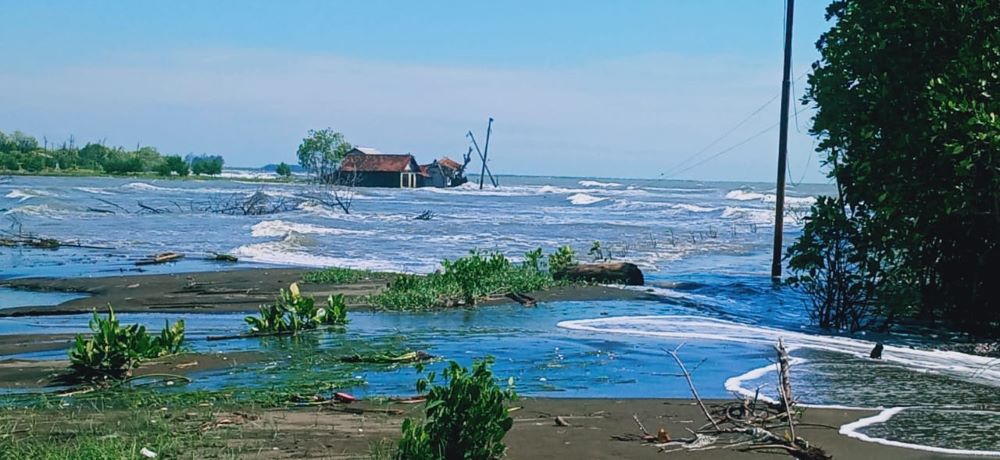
{"x": 41, "y": 210}
{"x": 284, "y": 253}
{"x": 853, "y": 430}
{"x": 744, "y": 195}
{"x": 594, "y": 183}
{"x": 272, "y": 228}
{"x": 584, "y": 199}
{"x": 142, "y": 186}
{"x": 955, "y": 364}
{"x": 94, "y": 190}
{"x": 692, "y": 208}
{"x": 22, "y": 195}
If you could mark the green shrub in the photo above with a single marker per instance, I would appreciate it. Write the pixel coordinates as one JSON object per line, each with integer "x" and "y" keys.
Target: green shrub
{"x": 562, "y": 259}
{"x": 113, "y": 351}
{"x": 337, "y": 275}
{"x": 465, "y": 418}
{"x": 291, "y": 312}
{"x": 465, "y": 281}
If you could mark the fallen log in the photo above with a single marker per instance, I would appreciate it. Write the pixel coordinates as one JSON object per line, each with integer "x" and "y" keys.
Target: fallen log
{"x": 625, "y": 273}
{"x": 160, "y": 258}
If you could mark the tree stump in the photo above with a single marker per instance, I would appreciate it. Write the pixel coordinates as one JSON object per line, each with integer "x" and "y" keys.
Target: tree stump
{"x": 607, "y": 273}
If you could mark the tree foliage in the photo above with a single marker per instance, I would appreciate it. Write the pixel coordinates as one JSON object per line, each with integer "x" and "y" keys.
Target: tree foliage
{"x": 205, "y": 164}
{"x": 283, "y": 170}
{"x": 321, "y": 152}
{"x": 907, "y": 122}
{"x": 20, "y": 152}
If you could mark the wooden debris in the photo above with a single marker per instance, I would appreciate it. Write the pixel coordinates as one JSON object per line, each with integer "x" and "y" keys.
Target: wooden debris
{"x": 522, "y": 299}
{"x": 160, "y": 258}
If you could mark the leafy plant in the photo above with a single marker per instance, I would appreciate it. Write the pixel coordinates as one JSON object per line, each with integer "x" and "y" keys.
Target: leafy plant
{"x": 596, "y": 251}
{"x": 563, "y": 259}
{"x": 465, "y": 418}
{"x": 292, "y": 312}
{"x": 465, "y": 281}
{"x": 113, "y": 351}
{"x": 338, "y": 275}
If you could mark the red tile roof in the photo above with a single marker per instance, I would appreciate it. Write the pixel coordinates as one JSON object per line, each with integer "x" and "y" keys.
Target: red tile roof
{"x": 379, "y": 163}
{"x": 449, "y": 163}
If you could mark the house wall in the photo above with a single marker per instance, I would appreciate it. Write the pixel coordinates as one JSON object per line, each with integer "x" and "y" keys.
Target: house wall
{"x": 379, "y": 179}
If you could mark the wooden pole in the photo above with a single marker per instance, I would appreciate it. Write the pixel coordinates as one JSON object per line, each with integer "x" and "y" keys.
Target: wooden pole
{"x": 486, "y": 151}
{"x": 786, "y": 84}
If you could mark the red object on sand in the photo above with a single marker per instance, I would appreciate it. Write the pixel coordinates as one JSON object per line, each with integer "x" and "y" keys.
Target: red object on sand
{"x": 344, "y": 397}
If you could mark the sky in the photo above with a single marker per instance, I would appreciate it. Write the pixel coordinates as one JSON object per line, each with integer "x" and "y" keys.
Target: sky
{"x": 641, "y": 89}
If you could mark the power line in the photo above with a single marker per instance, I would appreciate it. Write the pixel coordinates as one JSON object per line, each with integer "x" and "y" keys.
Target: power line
{"x": 720, "y": 138}
{"x": 727, "y": 149}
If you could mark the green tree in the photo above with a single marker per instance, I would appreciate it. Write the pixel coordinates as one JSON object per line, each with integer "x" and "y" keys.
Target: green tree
{"x": 907, "y": 104}
{"x": 321, "y": 152}
{"x": 283, "y": 170}
{"x": 206, "y": 164}
{"x": 173, "y": 164}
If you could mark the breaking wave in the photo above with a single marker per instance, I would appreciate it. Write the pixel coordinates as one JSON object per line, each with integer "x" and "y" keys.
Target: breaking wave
{"x": 22, "y": 195}
{"x": 584, "y": 199}
{"x": 692, "y": 208}
{"x": 594, "y": 183}
{"x": 273, "y": 228}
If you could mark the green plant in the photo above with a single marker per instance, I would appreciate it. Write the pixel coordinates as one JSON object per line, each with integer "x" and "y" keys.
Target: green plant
{"x": 465, "y": 418}
{"x": 283, "y": 170}
{"x": 465, "y": 281}
{"x": 533, "y": 260}
{"x": 596, "y": 251}
{"x": 292, "y": 312}
{"x": 563, "y": 259}
{"x": 337, "y": 275}
{"x": 113, "y": 351}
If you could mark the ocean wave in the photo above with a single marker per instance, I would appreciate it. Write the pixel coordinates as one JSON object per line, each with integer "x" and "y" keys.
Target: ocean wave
{"x": 39, "y": 210}
{"x": 142, "y": 186}
{"x": 950, "y": 363}
{"x": 286, "y": 253}
{"x": 746, "y": 195}
{"x": 692, "y": 208}
{"x": 27, "y": 194}
{"x": 94, "y": 190}
{"x": 594, "y": 183}
{"x": 584, "y": 199}
{"x": 272, "y": 228}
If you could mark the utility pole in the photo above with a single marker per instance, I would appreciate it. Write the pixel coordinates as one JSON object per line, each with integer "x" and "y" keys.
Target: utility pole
{"x": 786, "y": 84}
{"x": 486, "y": 151}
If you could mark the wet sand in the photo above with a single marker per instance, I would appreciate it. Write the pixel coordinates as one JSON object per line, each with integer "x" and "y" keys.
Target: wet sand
{"x": 350, "y": 431}
{"x": 38, "y": 374}
{"x": 241, "y": 290}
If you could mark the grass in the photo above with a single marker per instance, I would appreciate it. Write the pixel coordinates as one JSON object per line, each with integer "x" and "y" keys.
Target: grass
{"x": 338, "y": 275}
{"x": 465, "y": 282}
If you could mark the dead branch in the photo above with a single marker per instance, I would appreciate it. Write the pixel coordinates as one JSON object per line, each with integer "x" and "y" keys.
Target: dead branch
{"x": 694, "y": 391}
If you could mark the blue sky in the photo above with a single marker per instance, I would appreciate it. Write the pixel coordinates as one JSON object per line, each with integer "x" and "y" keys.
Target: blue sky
{"x": 584, "y": 88}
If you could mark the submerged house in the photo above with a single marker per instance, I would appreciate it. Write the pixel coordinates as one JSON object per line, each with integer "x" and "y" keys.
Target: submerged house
{"x": 377, "y": 169}
{"x": 443, "y": 173}
{"x": 372, "y": 168}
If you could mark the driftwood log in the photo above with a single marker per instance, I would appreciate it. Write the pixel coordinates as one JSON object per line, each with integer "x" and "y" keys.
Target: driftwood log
{"x": 608, "y": 273}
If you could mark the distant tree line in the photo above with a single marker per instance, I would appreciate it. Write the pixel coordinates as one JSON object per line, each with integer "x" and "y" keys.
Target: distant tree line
{"x": 908, "y": 126}
{"x": 20, "y": 152}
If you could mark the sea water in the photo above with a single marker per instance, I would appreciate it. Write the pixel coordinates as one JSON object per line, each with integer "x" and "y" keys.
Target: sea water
{"x": 704, "y": 247}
